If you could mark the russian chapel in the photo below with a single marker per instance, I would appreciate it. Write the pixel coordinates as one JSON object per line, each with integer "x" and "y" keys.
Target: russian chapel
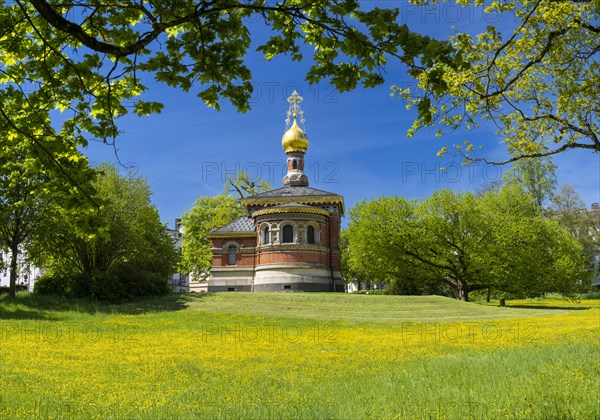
{"x": 290, "y": 238}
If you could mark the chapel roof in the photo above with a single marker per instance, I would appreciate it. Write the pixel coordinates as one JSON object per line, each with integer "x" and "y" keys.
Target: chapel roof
{"x": 296, "y": 195}
{"x": 291, "y": 191}
{"x": 292, "y": 204}
{"x": 241, "y": 224}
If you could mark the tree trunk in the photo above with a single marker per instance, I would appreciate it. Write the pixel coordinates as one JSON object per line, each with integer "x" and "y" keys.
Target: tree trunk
{"x": 14, "y": 254}
{"x": 463, "y": 292}
{"x": 489, "y": 294}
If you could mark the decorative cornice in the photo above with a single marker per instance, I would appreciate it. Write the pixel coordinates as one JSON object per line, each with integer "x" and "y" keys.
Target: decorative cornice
{"x": 290, "y": 209}
{"x": 244, "y": 250}
{"x": 232, "y": 234}
{"x": 307, "y": 199}
{"x": 268, "y": 218}
{"x": 233, "y": 268}
{"x": 291, "y": 247}
{"x": 288, "y": 265}
{"x": 295, "y": 150}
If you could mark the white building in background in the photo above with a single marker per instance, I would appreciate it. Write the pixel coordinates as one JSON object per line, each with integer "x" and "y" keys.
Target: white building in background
{"x": 178, "y": 282}
{"x": 27, "y": 274}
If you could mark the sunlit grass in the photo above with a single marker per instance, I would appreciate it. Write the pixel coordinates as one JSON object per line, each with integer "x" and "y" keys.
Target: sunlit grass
{"x": 220, "y": 356}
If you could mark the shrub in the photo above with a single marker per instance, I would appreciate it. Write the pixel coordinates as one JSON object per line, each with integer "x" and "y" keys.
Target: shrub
{"x": 136, "y": 281}
{"x": 409, "y": 286}
{"x": 52, "y": 284}
{"x": 123, "y": 283}
{"x": 5, "y": 289}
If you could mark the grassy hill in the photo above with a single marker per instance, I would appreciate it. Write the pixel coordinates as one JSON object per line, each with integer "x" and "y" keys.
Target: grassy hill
{"x": 354, "y": 308}
{"x": 366, "y": 308}
{"x": 298, "y": 355}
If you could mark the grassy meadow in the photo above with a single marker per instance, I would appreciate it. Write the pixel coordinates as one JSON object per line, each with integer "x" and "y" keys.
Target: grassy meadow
{"x": 299, "y": 355}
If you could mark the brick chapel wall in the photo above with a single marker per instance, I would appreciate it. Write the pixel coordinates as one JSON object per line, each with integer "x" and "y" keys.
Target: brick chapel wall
{"x": 334, "y": 223}
{"x": 289, "y": 256}
{"x": 245, "y": 255}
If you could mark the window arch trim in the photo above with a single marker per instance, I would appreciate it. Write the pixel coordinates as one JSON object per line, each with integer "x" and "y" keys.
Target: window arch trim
{"x": 287, "y": 233}
{"x": 232, "y": 250}
{"x": 311, "y": 235}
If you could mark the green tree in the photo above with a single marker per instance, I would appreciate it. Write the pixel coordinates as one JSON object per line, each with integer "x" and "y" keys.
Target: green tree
{"x": 466, "y": 242}
{"x": 567, "y": 201}
{"x": 529, "y": 254}
{"x": 371, "y": 251}
{"x": 244, "y": 186}
{"x": 27, "y": 193}
{"x": 537, "y": 80}
{"x": 534, "y": 175}
{"x": 90, "y": 60}
{"x": 569, "y": 210}
{"x": 350, "y": 270}
{"x": 591, "y": 243}
{"x": 22, "y": 205}
{"x": 128, "y": 236}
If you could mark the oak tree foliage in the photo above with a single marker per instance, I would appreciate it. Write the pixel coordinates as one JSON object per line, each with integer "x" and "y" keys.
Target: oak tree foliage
{"x": 534, "y": 74}
{"x": 499, "y": 240}
{"x": 70, "y": 69}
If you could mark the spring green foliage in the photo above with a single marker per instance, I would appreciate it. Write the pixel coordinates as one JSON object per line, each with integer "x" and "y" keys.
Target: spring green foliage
{"x": 245, "y": 186}
{"x": 69, "y": 70}
{"x": 498, "y": 240}
{"x": 129, "y": 242}
{"x": 584, "y": 224}
{"x": 537, "y": 79}
{"x": 534, "y": 175}
{"x": 567, "y": 201}
{"x": 23, "y": 201}
{"x": 28, "y": 190}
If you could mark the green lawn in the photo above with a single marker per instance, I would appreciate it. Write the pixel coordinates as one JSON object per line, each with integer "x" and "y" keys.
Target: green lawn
{"x": 365, "y": 308}
{"x": 299, "y": 355}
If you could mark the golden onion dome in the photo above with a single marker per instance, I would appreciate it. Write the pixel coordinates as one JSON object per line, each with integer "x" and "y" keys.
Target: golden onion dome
{"x": 294, "y": 139}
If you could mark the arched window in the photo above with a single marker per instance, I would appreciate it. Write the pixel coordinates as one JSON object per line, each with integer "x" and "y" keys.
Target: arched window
{"x": 295, "y": 164}
{"x": 310, "y": 235}
{"x": 288, "y": 234}
{"x": 266, "y": 236}
{"x": 232, "y": 255}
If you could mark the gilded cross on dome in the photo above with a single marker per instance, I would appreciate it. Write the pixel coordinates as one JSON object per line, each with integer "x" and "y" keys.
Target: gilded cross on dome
{"x": 294, "y": 109}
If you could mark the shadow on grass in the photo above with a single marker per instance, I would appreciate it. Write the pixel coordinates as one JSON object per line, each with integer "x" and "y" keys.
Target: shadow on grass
{"x": 32, "y": 306}
{"x": 24, "y": 314}
{"x": 562, "y": 308}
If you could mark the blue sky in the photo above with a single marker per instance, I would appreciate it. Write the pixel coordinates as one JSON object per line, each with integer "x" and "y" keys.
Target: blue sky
{"x": 358, "y": 144}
